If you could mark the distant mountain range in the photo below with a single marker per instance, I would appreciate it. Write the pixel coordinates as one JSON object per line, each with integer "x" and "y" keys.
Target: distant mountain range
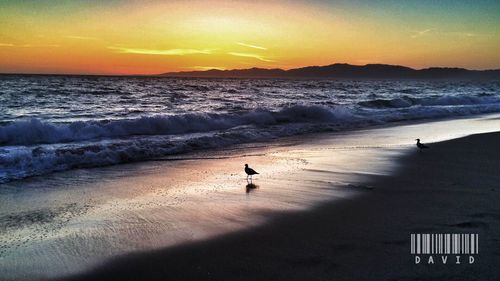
{"x": 342, "y": 70}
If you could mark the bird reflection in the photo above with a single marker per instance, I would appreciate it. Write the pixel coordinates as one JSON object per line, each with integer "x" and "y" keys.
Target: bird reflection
{"x": 249, "y": 187}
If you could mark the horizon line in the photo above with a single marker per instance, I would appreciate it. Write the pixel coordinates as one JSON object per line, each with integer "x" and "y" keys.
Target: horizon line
{"x": 225, "y": 70}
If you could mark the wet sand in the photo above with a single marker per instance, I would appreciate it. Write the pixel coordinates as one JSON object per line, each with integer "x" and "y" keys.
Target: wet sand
{"x": 331, "y": 206}
{"x": 452, "y": 188}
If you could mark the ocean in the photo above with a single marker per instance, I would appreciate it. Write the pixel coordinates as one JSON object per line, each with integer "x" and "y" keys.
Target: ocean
{"x": 57, "y": 123}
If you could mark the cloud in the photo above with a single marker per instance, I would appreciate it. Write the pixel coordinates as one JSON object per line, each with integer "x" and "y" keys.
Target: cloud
{"x": 251, "y": 46}
{"x": 168, "y": 52}
{"x": 39, "y": 46}
{"x": 207, "y": 67}
{"x": 422, "y": 32}
{"x": 30, "y": 45}
{"x": 470, "y": 34}
{"x": 81, "y": 37}
{"x": 447, "y": 33}
{"x": 247, "y": 55}
{"x": 467, "y": 34}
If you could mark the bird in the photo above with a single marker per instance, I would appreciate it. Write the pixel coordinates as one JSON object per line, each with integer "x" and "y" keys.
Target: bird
{"x": 250, "y": 172}
{"x": 421, "y": 145}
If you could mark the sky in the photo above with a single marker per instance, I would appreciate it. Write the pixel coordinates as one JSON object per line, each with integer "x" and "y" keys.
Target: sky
{"x": 151, "y": 37}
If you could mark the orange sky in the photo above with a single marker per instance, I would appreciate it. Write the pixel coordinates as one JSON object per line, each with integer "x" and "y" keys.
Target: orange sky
{"x": 150, "y": 37}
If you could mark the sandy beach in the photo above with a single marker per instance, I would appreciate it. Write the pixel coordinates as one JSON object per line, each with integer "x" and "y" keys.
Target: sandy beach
{"x": 334, "y": 206}
{"x": 452, "y": 188}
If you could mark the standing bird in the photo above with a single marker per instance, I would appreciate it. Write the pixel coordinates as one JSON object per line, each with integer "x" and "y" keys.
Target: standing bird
{"x": 421, "y": 145}
{"x": 250, "y": 172}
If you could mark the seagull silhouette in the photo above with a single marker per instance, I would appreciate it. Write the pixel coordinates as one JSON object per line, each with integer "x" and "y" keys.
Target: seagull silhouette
{"x": 421, "y": 145}
{"x": 250, "y": 172}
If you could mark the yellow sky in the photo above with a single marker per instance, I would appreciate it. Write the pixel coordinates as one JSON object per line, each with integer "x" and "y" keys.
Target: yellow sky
{"x": 150, "y": 37}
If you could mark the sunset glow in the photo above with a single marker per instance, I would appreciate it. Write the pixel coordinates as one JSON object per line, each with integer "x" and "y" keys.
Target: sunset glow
{"x": 151, "y": 37}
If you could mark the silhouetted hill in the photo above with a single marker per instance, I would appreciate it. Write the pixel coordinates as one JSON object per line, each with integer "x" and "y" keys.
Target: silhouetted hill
{"x": 343, "y": 70}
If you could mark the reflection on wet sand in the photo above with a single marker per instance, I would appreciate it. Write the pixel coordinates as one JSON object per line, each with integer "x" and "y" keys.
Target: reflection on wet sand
{"x": 249, "y": 187}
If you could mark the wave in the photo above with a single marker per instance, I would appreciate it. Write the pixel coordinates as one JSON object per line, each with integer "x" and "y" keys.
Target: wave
{"x": 36, "y": 147}
{"x": 406, "y": 101}
{"x": 35, "y": 131}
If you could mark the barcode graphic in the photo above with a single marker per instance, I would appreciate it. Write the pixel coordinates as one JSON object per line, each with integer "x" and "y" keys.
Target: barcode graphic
{"x": 444, "y": 243}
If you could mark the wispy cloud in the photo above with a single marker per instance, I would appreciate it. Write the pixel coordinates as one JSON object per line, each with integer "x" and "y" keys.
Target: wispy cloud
{"x": 422, "y": 32}
{"x": 469, "y": 34}
{"x": 251, "y": 46}
{"x": 435, "y": 31}
{"x": 248, "y": 55}
{"x": 197, "y": 67}
{"x": 39, "y": 46}
{"x": 168, "y": 52}
{"x": 30, "y": 45}
{"x": 81, "y": 37}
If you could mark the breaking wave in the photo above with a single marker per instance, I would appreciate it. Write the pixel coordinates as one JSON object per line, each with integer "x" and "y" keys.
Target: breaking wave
{"x": 35, "y": 131}
{"x": 57, "y": 123}
{"x": 407, "y": 101}
{"x": 35, "y": 147}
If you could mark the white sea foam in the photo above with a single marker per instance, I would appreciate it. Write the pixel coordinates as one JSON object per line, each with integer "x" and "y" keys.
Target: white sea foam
{"x": 45, "y": 147}
{"x": 408, "y": 101}
{"x": 51, "y": 123}
{"x": 35, "y": 131}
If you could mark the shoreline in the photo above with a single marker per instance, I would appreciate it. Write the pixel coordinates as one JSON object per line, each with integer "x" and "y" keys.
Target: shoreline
{"x": 292, "y": 139}
{"x": 103, "y": 214}
{"x": 451, "y": 188}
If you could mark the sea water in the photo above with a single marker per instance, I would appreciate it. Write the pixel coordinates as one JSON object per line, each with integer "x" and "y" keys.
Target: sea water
{"x": 56, "y": 123}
